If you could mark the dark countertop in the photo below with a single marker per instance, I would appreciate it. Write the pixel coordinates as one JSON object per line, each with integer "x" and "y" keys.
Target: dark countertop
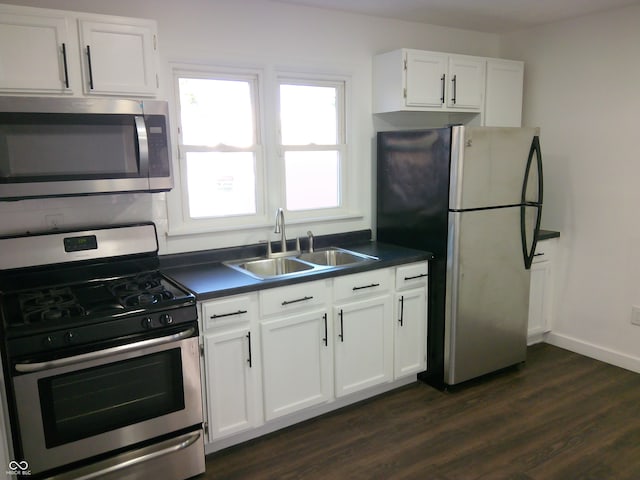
{"x": 547, "y": 234}
{"x": 207, "y": 277}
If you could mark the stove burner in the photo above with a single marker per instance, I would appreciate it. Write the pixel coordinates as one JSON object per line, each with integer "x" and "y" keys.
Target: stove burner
{"x": 141, "y": 291}
{"x": 49, "y": 304}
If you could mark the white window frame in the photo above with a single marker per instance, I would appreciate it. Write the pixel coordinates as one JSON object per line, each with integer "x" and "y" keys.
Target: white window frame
{"x": 180, "y": 220}
{"x": 270, "y": 185}
{"x": 341, "y": 84}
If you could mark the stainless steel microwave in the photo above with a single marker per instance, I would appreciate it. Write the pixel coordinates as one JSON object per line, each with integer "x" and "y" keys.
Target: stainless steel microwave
{"x": 54, "y": 147}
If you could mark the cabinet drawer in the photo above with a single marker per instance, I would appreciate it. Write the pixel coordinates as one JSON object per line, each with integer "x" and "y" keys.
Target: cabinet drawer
{"x": 228, "y": 311}
{"x": 294, "y": 297}
{"x": 362, "y": 284}
{"x": 412, "y": 276}
{"x": 544, "y": 250}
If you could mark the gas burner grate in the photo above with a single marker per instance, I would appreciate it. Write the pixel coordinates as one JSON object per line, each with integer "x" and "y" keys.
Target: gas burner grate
{"x": 142, "y": 290}
{"x": 49, "y": 305}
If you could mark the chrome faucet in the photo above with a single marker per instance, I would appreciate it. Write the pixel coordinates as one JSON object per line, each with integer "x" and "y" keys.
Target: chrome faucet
{"x": 310, "y": 235}
{"x": 280, "y": 228}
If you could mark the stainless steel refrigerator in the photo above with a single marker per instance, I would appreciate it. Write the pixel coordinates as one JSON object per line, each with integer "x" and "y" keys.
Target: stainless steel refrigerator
{"x": 473, "y": 197}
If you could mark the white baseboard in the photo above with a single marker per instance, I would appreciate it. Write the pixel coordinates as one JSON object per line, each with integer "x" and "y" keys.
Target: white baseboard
{"x": 591, "y": 350}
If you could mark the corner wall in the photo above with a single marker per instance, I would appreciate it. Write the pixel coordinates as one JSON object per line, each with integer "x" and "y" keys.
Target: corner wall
{"x": 582, "y": 81}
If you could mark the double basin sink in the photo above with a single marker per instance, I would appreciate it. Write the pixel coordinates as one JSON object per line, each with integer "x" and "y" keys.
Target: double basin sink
{"x": 297, "y": 262}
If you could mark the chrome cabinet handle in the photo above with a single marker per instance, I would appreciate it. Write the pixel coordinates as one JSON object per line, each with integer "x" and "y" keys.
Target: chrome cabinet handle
{"x": 63, "y": 362}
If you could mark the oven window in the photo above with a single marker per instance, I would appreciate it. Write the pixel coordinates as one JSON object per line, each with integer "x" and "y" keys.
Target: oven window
{"x": 96, "y": 400}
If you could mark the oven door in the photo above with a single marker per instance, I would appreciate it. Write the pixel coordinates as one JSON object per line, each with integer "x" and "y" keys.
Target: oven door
{"x": 74, "y": 408}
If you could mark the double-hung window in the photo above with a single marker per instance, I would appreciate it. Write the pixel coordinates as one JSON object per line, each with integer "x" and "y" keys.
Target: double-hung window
{"x": 221, "y": 156}
{"x": 312, "y": 143}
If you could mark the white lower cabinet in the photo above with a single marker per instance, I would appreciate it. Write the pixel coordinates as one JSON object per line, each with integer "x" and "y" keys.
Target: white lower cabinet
{"x": 283, "y": 350}
{"x": 410, "y": 316}
{"x": 363, "y": 331}
{"x": 296, "y": 363}
{"x": 296, "y": 351}
{"x": 364, "y": 344}
{"x": 541, "y": 291}
{"x": 231, "y": 365}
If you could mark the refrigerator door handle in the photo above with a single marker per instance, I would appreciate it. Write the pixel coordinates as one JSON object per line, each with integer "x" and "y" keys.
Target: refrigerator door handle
{"x": 528, "y": 254}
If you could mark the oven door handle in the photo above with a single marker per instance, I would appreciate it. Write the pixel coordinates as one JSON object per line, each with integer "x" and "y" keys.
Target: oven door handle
{"x": 63, "y": 362}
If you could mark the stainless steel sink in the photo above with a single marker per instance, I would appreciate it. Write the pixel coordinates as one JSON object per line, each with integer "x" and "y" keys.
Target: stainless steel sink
{"x": 270, "y": 267}
{"x": 293, "y": 263}
{"x": 334, "y": 257}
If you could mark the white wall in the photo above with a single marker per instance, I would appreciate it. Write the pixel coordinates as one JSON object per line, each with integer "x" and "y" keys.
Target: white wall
{"x": 268, "y": 35}
{"x": 582, "y": 82}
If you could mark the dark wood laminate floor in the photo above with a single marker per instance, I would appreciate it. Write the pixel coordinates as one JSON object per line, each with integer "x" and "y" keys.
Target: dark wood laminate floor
{"x": 560, "y": 416}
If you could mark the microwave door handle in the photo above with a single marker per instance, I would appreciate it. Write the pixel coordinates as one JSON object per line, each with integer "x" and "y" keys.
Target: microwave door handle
{"x": 143, "y": 145}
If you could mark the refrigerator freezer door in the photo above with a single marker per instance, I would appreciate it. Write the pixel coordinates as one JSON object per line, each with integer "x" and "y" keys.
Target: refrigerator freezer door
{"x": 488, "y": 167}
{"x": 487, "y": 295}
{"x": 413, "y": 188}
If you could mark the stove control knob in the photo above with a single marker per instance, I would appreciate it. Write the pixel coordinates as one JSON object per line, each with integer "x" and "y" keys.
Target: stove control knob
{"x": 166, "y": 319}
{"x": 48, "y": 341}
{"x": 69, "y": 337}
{"x": 147, "y": 322}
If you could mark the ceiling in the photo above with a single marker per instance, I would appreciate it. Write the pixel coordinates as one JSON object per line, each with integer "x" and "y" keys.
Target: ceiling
{"x": 492, "y": 16}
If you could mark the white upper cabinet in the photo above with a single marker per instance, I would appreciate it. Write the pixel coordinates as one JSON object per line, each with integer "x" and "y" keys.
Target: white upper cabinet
{"x": 503, "y": 107}
{"x": 58, "y": 52}
{"x": 417, "y": 80}
{"x": 465, "y": 89}
{"x": 34, "y": 53}
{"x": 118, "y": 59}
{"x": 423, "y": 81}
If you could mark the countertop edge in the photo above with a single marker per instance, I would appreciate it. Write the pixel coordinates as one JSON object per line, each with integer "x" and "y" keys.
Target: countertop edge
{"x": 209, "y": 280}
{"x": 547, "y": 234}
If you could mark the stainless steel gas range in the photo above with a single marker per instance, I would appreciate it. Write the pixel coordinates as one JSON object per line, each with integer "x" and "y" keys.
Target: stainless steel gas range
{"x": 101, "y": 357}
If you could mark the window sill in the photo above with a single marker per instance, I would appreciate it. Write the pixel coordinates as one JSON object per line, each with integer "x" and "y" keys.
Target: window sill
{"x": 193, "y": 230}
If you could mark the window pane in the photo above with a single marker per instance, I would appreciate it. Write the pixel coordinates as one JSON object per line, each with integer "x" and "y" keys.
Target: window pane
{"x": 214, "y": 112}
{"x": 308, "y": 115}
{"x": 312, "y": 179}
{"x": 221, "y": 183}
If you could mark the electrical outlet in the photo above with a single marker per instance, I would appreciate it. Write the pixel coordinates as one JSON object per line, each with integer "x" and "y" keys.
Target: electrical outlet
{"x": 54, "y": 221}
{"x": 635, "y": 315}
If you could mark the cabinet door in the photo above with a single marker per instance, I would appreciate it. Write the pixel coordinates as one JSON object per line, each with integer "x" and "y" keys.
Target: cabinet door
{"x": 34, "y": 54}
{"x": 296, "y": 363}
{"x": 466, "y": 83}
{"x": 503, "y": 103}
{"x": 410, "y": 333}
{"x": 539, "y": 301}
{"x": 232, "y": 397}
{"x": 364, "y": 347}
{"x": 425, "y": 79}
{"x": 118, "y": 58}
